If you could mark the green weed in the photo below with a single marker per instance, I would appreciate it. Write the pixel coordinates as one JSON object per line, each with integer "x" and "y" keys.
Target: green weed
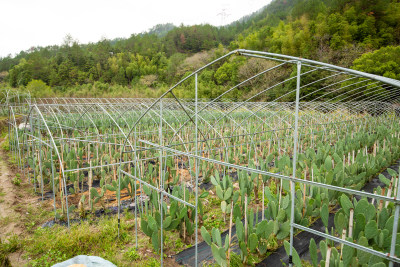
{"x": 132, "y": 254}
{"x": 16, "y": 181}
{"x": 47, "y": 259}
{"x": 98, "y": 238}
{"x": 152, "y": 262}
{"x": 5, "y": 145}
{"x": 13, "y": 244}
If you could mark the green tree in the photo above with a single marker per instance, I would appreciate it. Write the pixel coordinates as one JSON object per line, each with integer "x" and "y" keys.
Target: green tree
{"x": 384, "y": 62}
{"x": 38, "y": 88}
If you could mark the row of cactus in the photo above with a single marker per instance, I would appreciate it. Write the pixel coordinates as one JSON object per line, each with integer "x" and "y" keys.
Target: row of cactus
{"x": 363, "y": 222}
{"x": 324, "y": 165}
{"x": 75, "y": 154}
{"x": 336, "y": 158}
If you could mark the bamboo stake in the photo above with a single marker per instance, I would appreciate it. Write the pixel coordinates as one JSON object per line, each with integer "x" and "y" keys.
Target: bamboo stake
{"x": 381, "y": 201}
{"x": 351, "y": 223}
{"x": 389, "y": 193}
{"x": 328, "y": 256}
{"x": 90, "y": 183}
{"x": 341, "y": 246}
{"x": 230, "y": 231}
{"x": 373, "y": 200}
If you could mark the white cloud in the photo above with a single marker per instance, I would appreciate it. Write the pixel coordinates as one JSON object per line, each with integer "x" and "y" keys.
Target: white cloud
{"x": 27, "y": 23}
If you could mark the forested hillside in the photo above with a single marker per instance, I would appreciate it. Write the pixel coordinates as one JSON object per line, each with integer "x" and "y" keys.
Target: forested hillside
{"x": 334, "y": 31}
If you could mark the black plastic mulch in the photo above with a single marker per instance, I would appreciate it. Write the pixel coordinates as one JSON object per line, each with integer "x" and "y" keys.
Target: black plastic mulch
{"x": 204, "y": 254}
{"x": 278, "y": 257}
{"x": 302, "y": 240}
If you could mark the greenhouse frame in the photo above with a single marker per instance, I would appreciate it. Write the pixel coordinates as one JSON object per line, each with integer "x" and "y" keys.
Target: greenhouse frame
{"x": 306, "y": 139}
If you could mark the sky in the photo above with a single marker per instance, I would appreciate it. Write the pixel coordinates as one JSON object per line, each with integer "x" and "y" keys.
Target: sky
{"x": 28, "y": 23}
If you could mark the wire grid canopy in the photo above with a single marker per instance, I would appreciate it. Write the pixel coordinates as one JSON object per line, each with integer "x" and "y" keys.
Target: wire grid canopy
{"x": 328, "y": 99}
{"x": 12, "y": 97}
{"x": 158, "y": 152}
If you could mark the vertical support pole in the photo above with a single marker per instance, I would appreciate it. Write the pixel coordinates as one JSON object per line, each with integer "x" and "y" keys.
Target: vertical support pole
{"x": 10, "y": 131}
{"x": 33, "y": 154}
{"x": 138, "y": 167}
{"x": 9, "y": 126}
{"x": 395, "y": 225}
{"x": 19, "y": 151}
{"x": 28, "y": 149}
{"x": 161, "y": 181}
{"x": 17, "y": 156}
{"x": 119, "y": 199}
{"x": 23, "y": 158}
{"x": 54, "y": 191}
{"x": 135, "y": 172}
{"x": 292, "y": 184}
{"x": 196, "y": 165}
{"x": 34, "y": 163}
{"x": 136, "y": 202}
{"x": 40, "y": 165}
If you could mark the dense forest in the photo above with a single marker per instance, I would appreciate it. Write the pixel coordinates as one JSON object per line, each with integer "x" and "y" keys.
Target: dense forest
{"x": 362, "y": 34}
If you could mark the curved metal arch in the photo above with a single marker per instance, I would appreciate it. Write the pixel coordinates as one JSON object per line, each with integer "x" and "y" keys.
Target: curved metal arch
{"x": 122, "y": 150}
{"x": 58, "y": 156}
{"x": 330, "y": 66}
{"x": 89, "y": 117}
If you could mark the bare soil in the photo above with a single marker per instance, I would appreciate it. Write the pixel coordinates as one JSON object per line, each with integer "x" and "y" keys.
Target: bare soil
{"x": 10, "y": 201}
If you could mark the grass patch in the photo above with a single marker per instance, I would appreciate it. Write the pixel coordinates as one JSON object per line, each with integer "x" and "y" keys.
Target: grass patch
{"x": 215, "y": 215}
{"x": 5, "y": 145}
{"x": 35, "y": 216}
{"x": 5, "y": 221}
{"x": 16, "y": 181}
{"x": 132, "y": 254}
{"x": 13, "y": 244}
{"x": 48, "y": 246}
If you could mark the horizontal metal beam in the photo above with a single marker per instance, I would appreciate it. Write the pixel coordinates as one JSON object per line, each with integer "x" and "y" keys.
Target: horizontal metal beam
{"x": 279, "y": 176}
{"x": 350, "y": 244}
{"x": 158, "y": 189}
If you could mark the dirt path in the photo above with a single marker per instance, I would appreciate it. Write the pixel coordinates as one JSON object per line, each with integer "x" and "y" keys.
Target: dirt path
{"x": 8, "y": 199}
{"x": 10, "y": 219}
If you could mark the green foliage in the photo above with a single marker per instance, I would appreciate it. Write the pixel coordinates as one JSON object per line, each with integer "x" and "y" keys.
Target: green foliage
{"x": 48, "y": 246}
{"x": 325, "y": 214}
{"x": 228, "y": 72}
{"x": 11, "y": 245}
{"x": 218, "y": 248}
{"x": 313, "y": 252}
{"x": 371, "y": 229}
{"x": 38, "y": 88}
{"x": 348, "y": 253}
{"x": 384, "y": 62}
{"x": 132, "y": 254}
{"x": 16, "y": 181}
{"x": 296, "y": 258}
{"x": 346, "y": 204}
{"x": 48, "y": 258}
{"x": 317, "y": 29}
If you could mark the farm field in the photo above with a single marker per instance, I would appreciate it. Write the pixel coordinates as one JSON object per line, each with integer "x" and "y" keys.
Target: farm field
{"x": 155, "y": 178}
{"x": 346, "y": 155}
